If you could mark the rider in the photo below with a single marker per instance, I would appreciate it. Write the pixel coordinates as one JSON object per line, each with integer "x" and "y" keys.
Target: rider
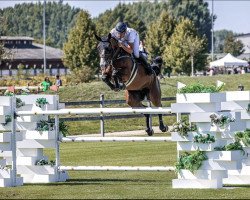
{"x": 128, "y": 39}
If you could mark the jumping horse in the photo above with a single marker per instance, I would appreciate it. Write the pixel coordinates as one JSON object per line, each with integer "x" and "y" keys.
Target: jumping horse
{"x": 120, "y": 68}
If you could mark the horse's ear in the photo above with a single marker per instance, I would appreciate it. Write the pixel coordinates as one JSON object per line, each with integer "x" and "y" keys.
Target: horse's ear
{"x": 98, "y": 38}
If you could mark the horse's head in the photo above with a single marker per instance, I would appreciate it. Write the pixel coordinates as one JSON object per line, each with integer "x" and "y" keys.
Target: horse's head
{"x": 105, "y": 51}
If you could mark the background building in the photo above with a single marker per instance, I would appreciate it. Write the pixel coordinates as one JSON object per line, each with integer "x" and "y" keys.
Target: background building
{"x": 30, "y": 55}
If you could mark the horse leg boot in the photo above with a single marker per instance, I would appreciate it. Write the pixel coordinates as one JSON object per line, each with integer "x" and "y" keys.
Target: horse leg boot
{"x": 147, "y": 67}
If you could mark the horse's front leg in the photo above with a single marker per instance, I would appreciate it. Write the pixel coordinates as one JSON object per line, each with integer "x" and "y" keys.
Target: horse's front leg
{"x": 106, "y": 79}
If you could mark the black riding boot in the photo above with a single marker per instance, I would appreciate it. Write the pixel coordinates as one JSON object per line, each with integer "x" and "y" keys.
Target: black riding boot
{"x": 147, "y": 67}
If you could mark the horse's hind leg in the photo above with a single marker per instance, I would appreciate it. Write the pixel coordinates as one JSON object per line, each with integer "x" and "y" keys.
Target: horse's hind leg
{"x": 133, "y": 99}
{"x": 155, "y": 98}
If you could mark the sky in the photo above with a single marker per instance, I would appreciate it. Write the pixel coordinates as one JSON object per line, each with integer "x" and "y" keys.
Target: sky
{"x": 231, "y": 14}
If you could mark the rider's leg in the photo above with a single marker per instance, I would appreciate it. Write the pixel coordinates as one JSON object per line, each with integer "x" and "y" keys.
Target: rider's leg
{"x": 139, "y": 56}
{"x": 147, "y": 67}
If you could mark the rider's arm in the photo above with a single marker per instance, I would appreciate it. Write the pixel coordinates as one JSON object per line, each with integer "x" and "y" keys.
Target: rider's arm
{"x": 127, "y": 47}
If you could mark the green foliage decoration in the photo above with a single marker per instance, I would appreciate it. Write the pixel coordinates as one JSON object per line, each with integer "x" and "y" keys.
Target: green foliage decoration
{"x": 40, "y": 102}
{"x": 45, "y": 125}
{"x": 200, "y": 88}
{"x": 63, "y": 128}
{"x": 231, "y": 147}
{"x": 19, "y": 103}
{"x": 190, "y": 161}
{"x": 205, "y": 139}
{"x": 183, "y": 127}
{"x": 220, "y": 120}
{"x": 42, "y": 162}
{"x": 8, "y": 119}
{"x": 243, "y": 136}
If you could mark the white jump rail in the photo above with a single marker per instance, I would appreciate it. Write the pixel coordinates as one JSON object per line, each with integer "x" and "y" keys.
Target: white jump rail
{"x": 98, "y": 111}
{"x": 116, "y": 168}
{"x": 116, "y": 139}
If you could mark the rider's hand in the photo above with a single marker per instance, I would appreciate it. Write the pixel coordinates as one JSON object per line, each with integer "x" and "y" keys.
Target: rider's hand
{"x": 120, "y": 43}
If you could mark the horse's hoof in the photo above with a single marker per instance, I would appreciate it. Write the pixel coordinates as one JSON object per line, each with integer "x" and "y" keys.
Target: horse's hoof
{"x": 150, "y": 132}
{"x": 164, "y": 128}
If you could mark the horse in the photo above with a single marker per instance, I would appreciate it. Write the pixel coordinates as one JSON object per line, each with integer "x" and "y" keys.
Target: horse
{"x": 119, "y": 67}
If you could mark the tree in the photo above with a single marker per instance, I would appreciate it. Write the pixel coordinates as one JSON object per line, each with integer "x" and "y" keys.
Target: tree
{"x": 186, "y": 47}
{"x": 193, "y": 44}
{"x": 158, "y": 34}
{"x": 198, "y": 12}
{"x": 80, "y": 49}
{"x": 233, "y": 46}
{"x": 219, "y": 40}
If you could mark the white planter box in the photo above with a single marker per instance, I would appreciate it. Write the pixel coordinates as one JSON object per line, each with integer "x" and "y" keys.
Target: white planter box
{"x": 34, "y": 178}
{"x": 33, "y": 107}
{"x": 40, "y": 135}
{"x": 2, "y": 119}
{"x": 36, "y": 169}
{"x": 175, "y": 136}
{"x": 2, "y": 163}
{"x": 190, "y": 146}
{"x": 237, "y": 180}
{"x": 26, "y": 126}
{"x": 28, "y": 160}
{"x": 5, "y": 110}
{"x": 31, "y": 99}
{"x": 220, "y": 165}
{"x": 197, "y": 183}
{"x": 32, "y": 118}
{"x": 5, "y": 146}
{"x": 6, "y": 182}
{"x": 200, "y": 97}
{"x": 194, "y": 107}
{"x": 202, "y": 174}
{"x": 234, "y": 105}
{"x": 238, "y": 96}
{"x": 5, "y": 101}
{"x": 6, "y": 137}
{"x": 245, "y": 115}
{"x": 226, "y": 155}
{"x": 26, "y": 144}
{"x": 23, "y": 152}
{"x": 231, "y": 127}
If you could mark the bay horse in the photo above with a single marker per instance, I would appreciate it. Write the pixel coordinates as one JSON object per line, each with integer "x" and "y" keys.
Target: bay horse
{"x": 120, "y": 68}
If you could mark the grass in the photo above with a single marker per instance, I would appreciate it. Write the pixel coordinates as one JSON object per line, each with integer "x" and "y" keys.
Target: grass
{"x": 118, "y": 185}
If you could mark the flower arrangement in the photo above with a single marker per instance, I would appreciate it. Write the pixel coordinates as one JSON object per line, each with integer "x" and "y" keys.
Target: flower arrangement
{"x": 200, "y": 88}
{"x": 205, "y": 139}
{"x": 190, "y": 161}
{"x": 41, "y": 102}
{"x": 231, "y": 147}
{"x": 243, "y": 137}
{"x": 45, "y": 162}
{"x": 183, "y": 127}
{"x": 220, "y": 120}
{"x": 19, "y": 103}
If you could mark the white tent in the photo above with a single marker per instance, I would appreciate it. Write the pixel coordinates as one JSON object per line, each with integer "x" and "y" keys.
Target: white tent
{"x": 228, "y": 61}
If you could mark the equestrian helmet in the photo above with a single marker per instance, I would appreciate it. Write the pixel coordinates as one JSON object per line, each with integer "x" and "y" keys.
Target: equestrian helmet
{"x": 121, "y": 27}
